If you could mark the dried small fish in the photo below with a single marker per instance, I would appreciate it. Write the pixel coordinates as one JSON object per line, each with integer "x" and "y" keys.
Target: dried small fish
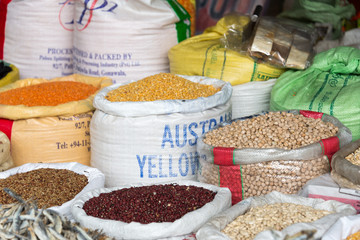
{"x": 24, "y": 220}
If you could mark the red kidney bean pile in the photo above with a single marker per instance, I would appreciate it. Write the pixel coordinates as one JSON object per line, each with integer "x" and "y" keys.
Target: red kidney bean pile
{"x": 147, "y": 204}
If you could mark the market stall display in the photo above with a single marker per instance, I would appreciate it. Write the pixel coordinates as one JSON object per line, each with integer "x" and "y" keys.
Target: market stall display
{"x": 6, "y": 161}
{"x": 125, "y": 228}
{"x": 273, "y": 151}
{"x": 146, "y": 140}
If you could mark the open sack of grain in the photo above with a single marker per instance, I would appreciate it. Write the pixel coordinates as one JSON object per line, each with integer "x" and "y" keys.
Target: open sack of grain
{"x": 271, "y": 151}
{"x": 49, "y": 120}
{"x": 275, "y": 216}
{"x": 6, "y": 160}
{"x": 51, "y": 185}
{"x": 146, "y": 131}
{"x": 346, "y": 166}
{"x": 160, "y": 210}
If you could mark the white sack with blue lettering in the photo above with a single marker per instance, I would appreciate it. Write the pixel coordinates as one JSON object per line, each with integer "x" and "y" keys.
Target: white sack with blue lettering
{"x": 38, "y": 37}
{"x": 124, "y": 40}
{"x": 151, "y": 142}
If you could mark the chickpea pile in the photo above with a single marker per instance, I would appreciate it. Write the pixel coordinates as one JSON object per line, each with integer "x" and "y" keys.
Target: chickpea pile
{"x": 272, "y": 130}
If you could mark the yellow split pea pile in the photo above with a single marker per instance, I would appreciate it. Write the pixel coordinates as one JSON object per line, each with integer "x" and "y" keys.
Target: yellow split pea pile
{"x": 162, "y": 86}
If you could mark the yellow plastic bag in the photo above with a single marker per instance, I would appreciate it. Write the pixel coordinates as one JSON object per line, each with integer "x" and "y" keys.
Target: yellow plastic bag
{"x": 15, "y": 112}
{"x": 11, "y": 76}
{"x": 205, "y": 55}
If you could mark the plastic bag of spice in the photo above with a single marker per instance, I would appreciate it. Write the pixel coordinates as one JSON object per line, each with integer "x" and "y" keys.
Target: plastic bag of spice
{"x": 206, "y": 55}
{"x": 278, "y": 151}
{"x": 276, "y": 224}
{"x": 346, "y": 162}
{"x": 155, "y": 141}
{"x": 95, "y": 179}
{"x": 181, "y": 225}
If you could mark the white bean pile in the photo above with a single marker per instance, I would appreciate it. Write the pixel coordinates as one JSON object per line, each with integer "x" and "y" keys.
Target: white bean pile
{"x": 354, "y": 157}
{"x": 270, "y": 216}
{"x": 271, "y": 130}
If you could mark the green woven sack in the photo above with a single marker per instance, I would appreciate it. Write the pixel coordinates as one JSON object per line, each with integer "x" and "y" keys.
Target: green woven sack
{"x": 330, "y": 85}
{"x": 321, "y": 11}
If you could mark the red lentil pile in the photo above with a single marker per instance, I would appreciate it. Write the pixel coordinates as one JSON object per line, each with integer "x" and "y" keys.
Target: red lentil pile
{"x": 147, "y": 204}
{"x": 47, "y": 93}
{"x": 48, "y": 187}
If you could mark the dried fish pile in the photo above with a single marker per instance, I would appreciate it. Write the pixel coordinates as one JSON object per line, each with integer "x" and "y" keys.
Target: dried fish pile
{"x": 24, "y": 220}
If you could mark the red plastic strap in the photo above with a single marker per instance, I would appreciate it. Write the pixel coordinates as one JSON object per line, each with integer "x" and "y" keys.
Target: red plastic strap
{"x": 3, "y": 14}
{"x": 223, "y": 156}
{"x": 6, "y": 126}
{"x": 311, "y": 114}
{"x": 330, "y": 146}
{"x": 230, "y": 177}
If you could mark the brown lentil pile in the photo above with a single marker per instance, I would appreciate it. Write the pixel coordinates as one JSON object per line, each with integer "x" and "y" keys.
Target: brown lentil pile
{"x": 147, "y": 204}
{"x": 272, "y": 130}
{"x": 270, "y": 216}
{"x": 162, "y": 86}
{"x": 354, "y": 157}
{"x": 261, "y": 178}
{"x": 47, "y": 93}
{"x": 49, "y": 187}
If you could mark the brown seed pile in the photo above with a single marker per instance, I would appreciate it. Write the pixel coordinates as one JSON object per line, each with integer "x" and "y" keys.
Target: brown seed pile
{"x": 261, "y": 178}
{"x": 49, "y": 187}
{"x": 272, "y": 130}
{"x": 354, "y": 157}
{"x": 270, "y": 216}
{"x": 147, "y": 204}
{"x": 162, "y": 86}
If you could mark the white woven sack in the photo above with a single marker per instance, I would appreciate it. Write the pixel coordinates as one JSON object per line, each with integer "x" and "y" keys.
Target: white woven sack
{"x": 189, "y": 223}
{"x": 251, "y": 98}
{"x": 342, "y": 228}
{"x": 212, "y": 229}
{"x": 124, "y": 40}
{"x": 96, "y": 179}
{"x": 39, "y": 37}
{"x": 153, "y": 141}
